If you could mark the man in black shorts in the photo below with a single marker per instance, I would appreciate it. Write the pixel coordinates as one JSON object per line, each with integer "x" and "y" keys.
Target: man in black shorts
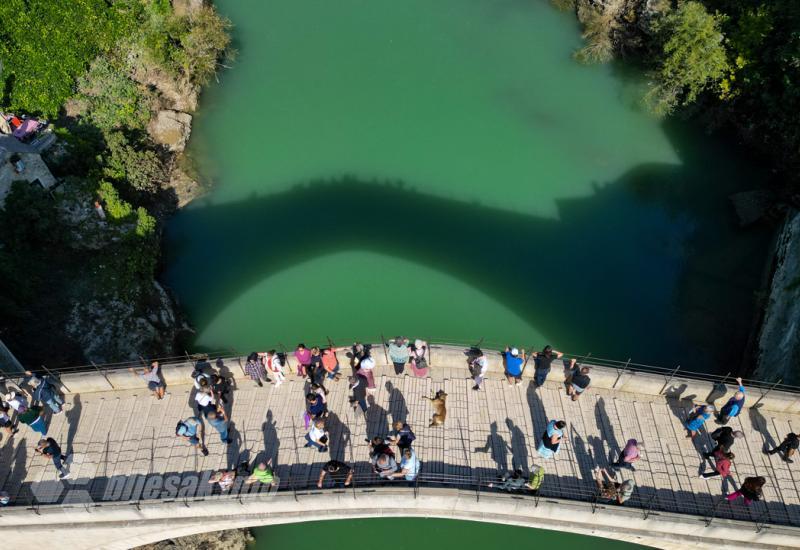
{"x": 339, "y": 471}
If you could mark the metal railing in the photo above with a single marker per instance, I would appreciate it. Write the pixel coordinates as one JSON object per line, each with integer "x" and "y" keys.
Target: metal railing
{"x": 622, "y": 367}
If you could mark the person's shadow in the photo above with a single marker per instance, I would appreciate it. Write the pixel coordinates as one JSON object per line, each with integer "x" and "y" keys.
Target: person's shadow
{"x": 519, "y": 450}
{"x": 397, "y": 403}
{"x": 607, "y": 429}
{"x": 73, "y": 416}
{"x": 759, "y": 423}
{"x": 340, "y": 437}
{"x": 499, "y": 448}
{"x": 271, "y": 442}
{"x": 234, "y": 447}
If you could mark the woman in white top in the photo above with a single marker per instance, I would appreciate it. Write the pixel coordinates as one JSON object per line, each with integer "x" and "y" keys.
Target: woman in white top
{"x": 365, "y": 368}
{"x": 274, "y": 366}
{"x": 479, "y": 367}
{"x": 419, "y": 364}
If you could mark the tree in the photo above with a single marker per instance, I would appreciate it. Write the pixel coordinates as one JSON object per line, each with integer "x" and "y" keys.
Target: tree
{"x": 694, "y": 59}
{"x": 134, "y": 162}
{"x": 46, "y": 44}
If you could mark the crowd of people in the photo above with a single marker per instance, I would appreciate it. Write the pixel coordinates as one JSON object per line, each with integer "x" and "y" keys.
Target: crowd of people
{"x": 393, "y": 456}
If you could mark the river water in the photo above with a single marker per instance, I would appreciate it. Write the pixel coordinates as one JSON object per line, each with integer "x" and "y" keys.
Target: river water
{"x": 446, "y": 170}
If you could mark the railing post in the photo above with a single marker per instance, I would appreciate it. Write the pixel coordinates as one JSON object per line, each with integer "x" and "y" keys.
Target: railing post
{"x": 763, "y": 395}
{"x": 430, "y": 362}
{"x": 669, "y": 380}
{"x": 104, "y": 373}
{"x": 619, "y": 374}
{"x": 708, "y": 519}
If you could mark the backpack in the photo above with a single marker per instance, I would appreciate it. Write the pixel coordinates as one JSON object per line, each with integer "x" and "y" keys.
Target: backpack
{"x": 536, "y": 479}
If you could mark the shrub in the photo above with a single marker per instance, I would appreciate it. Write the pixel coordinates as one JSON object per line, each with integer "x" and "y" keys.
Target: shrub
{"x": 112, "y": 99}
{"x": 598, "y": 24}
{"x": 694, "y": 59}
{"x": 117, "y": 210}
{"x": 135, "y": 162}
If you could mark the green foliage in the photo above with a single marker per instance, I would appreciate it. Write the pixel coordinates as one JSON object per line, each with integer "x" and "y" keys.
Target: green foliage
{"x": 112, "y": 99}
{"x": 145, "y": 223}
{"x": 46, "y": 44}
{"x": 117, "y": 210}
{"x": 135, "y": 162}
{"x": 694, "y": 56}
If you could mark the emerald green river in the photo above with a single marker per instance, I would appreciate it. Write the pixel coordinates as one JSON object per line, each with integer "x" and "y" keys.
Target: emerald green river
{"x": 446, "y": 170}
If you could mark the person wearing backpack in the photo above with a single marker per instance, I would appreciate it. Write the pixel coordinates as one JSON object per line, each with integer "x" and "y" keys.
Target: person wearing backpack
{"x": 191, "y": 430}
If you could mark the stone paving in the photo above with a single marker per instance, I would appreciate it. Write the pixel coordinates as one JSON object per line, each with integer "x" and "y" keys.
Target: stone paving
{"x": 130, "y": 433}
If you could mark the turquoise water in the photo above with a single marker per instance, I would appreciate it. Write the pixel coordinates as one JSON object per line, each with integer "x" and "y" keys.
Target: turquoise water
{"x": 446, "y": 170}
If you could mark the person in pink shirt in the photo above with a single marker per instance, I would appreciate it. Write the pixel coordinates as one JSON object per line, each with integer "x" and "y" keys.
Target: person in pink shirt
{"x": 630, "y": 454}
{"x": 303, "y": 356}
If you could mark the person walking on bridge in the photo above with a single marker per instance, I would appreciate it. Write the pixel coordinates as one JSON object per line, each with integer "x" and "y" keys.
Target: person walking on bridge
{"x": 733, "y": 407}
{"x": 220, "y": 423}
{"x": 514, "y": 359}
{"x": 48, "y": 448}
{"x": 358, "y": 385}
{"x": 722, "y": 465}
{"x": 725, "y": 438}
{"x": 542, "y": 363}
{"x": 550, "y": 443}
{"x": 697, "y": 418}
{"x": 192, "y": 430}
{"x": 752, "y": 489}
{"x": 787, "y": 448}
{"x": 630, "y": 454}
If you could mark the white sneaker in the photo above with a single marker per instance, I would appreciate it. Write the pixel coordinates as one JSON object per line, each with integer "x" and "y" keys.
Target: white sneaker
{"x": 64, "y": 476}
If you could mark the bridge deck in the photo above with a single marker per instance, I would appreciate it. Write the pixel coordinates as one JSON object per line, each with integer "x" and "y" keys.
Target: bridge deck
{"x": 129, "y": 433}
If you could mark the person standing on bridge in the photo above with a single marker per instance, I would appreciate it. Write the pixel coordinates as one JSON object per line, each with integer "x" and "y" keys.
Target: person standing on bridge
{"x": 479, "y": 366}
{"x": 787, "y": 448}
{"x": 725, "y": 437}
{"x": 697, "y": 418}
{"x": 418, "y": 360}
{"x": 274, "y": 366}
{"x": 365, "y": 364}
{"x": 330, "y": 362}
{"x": 317, "y": 371}
{"x": 152, "y": 376}
{"x": 303, "y": 356}
{"x": 48, "y": 448}
{"x": 733, "y": 407}
{"x": 358, "y": 385}
{"x": 514, "y": 360}
{"x": 399, "y": 353}
{"x": 220, "y": 423}
{"x": 338, "y": 471}
{"x": 542, "y": 363}
{"x": 630, "y": 454}
{"x": 192, "y": 430}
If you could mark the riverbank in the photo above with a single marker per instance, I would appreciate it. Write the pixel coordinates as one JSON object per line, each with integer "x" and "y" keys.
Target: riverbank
{"x": 79, "y": 264}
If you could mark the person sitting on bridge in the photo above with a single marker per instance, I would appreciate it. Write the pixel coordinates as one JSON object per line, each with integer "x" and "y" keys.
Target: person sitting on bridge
{"x": 611, "y": 489}
{"x": 330, "y": 362}
{"x": 551, "y": 439}
{"x": 6, "y": 424}
{"x": 315, "y": 404}
{"x": 153, "y": 378}
{"x": 254, "y": 369}
{"x": 303, "y": 356}
{"x": 409, "y": 465}
{"x": 377, "y": 446}
{"x": 579, "y": 380}
{"x": 630, "y": 454}
{"x": 697, "y": 417}
{"x": 338, "y": 472}
{"x": 511, "y": 483}
{"x": 401, "y": 435}
{"x": 192, "y": 431}
{"x": 384, "y": 465}
{"x": 223, "y": 478}
{"x": 44, "y": 391}
{"x": 725, "y": 438}
{"x": 787, "y": 448}
{"x": 317, "y": 436}
{"x": 733, "y": 407}
{"x": 542, "y": 363}
{"x": 50, "y": 449}
{"x": 513, "y": 363}
{"x": 262, "y": 473}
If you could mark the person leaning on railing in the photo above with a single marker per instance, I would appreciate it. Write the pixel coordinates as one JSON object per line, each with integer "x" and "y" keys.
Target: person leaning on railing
{"x": 151, "y": 376}
{"x": 733, "y": 407}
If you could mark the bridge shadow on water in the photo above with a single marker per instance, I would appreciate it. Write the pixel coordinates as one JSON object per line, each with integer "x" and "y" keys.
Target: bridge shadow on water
{"x": 651, "y": 253}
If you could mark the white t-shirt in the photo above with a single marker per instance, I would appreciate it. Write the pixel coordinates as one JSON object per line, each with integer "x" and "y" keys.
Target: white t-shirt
{"x": 315, "y": 433}
{"x": 368, "y": 363}
{"x": 482, "y": 363}
{"x": 18, "y": 402}
{"x": 204, "y": 399}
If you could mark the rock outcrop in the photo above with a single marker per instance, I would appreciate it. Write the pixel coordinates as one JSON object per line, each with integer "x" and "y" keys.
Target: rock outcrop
{"x": 235, "y": 539}
{"x": 171, "y": 129}
{"x": 779, "y": 341}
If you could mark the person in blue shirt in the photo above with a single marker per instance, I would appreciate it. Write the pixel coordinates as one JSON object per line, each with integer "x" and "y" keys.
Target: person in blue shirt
{"x": 734, "y": 406}
{"x": 697, "y": 418}
{"x": 316, "y": 405}
{"x": 409, "y": 465}
{"x": 550, "y": 443}
{"x": 514, "y": 362}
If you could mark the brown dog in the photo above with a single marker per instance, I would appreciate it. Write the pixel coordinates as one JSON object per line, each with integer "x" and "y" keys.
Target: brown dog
{"x": 439, "y": 407}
